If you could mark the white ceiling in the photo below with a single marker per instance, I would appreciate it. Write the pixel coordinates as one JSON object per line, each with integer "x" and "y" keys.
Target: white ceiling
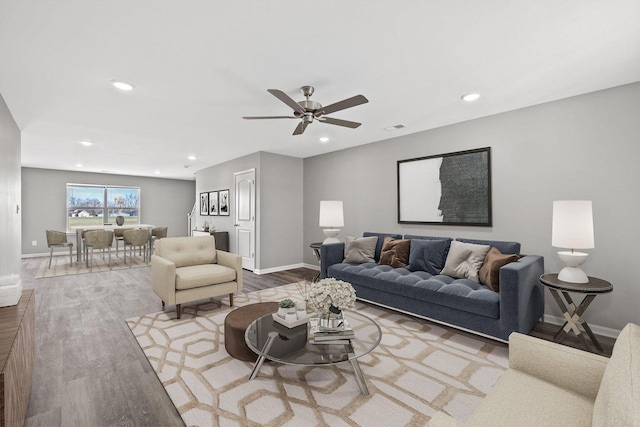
{"x": 199, "y": 66}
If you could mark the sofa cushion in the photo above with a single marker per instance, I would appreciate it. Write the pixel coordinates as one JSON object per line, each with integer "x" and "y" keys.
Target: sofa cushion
{"x": 186, "y": 251}
{"x": 618, "y": 400}
{"x": 195, "y": 276}
{"x": 459, "y": 294}
{"x": 544, "y": 405}
{"x": 381, "y": 237}
{"x": 428, "y": 255}
{"x": 464, "y": 260}
{"x": 360, "y": 249}
{"x": 489, "y": 274}
{"x": 395, "y": 252}
{"x": 504, "y": 247}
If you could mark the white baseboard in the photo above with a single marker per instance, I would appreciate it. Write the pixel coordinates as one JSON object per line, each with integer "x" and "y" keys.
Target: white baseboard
{"x": 276, "y": 269}
{"x": 598, "y": 330}
{"x": 46, "y": 254}
{"x": 311, "y": 266}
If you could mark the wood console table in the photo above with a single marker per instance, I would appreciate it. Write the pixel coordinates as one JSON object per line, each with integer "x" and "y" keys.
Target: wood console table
{"x": 17, "y": 358}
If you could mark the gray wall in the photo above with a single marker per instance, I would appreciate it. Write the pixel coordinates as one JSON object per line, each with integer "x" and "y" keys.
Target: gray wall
{"x": 44, "y": 192}
{"x": 278, "y": 205}
{"x": 585, "y": 147}
{"x": 10, "y": 219}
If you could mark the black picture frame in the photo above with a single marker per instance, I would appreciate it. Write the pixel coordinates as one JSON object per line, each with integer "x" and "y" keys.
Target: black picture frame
{"x": 204, "y": 204}
{"x": 446, "y": 189}
{"x": 213, "y": 203}
{"x": 224, "y": 205}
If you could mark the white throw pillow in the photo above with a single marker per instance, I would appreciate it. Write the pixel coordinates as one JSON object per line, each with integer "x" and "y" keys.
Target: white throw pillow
{"x": 464, "y": 260}
{"x": 360, "y": 249}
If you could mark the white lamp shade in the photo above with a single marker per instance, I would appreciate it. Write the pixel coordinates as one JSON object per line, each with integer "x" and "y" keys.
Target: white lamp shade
{"x": 572, "y": 225}
{"x": 331, "y": 213}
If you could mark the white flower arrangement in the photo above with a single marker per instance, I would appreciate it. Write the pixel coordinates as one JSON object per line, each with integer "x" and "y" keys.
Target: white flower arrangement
{"x": 332, "y": 295}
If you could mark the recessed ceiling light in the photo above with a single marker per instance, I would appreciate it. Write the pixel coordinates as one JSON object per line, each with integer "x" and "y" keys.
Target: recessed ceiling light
{"x": 156, "y": 172}
{"x": 86, "y": 143}
{"x": 470, "y": 97}
{"x": 324, "y": 139}
{"x": 122, "y": 85}
{"x": 79, "y": 165}
{"x": 192, "y": 158}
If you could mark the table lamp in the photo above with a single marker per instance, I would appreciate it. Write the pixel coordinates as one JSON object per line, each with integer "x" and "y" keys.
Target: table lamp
{"x": 572, "y": 228}
{"x": 331, "y": 217}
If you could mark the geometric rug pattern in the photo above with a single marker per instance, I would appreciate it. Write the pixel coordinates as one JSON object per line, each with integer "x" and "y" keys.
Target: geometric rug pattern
{"x": 60, "y": 265}
{"x": 419, "y": 368}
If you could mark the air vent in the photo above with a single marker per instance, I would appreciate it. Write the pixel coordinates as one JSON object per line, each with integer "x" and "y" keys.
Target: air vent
{"x": 396, "y": 127}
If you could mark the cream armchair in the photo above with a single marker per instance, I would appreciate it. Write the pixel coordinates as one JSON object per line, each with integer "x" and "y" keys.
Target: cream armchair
{"x": 187, "y": 269}
{"x": 549, "y": 384}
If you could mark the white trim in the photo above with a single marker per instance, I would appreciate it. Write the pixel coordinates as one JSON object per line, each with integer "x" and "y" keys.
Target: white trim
{"x": 311, "y": 266}
{"x": 598, "y": 330}
{"x": 276, "y": 269}
{"x": 434, "y": 320}
{"x": 55, "y": 253}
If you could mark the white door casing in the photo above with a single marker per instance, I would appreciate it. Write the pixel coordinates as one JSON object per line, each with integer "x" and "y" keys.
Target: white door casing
{"x": 245, "y": 224}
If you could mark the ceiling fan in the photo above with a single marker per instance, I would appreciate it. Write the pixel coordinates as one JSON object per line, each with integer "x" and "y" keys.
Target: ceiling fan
{"x": 308, "y": 110}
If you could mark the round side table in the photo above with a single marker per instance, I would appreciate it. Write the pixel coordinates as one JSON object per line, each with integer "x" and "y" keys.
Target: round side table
{"x": 571, "y": 312}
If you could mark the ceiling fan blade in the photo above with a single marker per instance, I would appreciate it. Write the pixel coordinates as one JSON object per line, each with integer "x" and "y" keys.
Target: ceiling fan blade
{"x": 345, "y": 123}
{"x": 341, "y": 105}
{"x": 300, "y": 128}
{"x": 269, "y": 117}
{"x": 287, "y": 100}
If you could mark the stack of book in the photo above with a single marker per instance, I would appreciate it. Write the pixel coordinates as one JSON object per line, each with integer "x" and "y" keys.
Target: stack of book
{"x": 316, "y": 336}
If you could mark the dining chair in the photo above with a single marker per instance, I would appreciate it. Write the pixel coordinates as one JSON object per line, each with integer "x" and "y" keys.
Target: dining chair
{"x": 135, "y": 238}
{"x": 58, "y": 239}
{"x": 98, "y": 239}
{"x": 156, "y": 234}
{"x": 118, "y": 233}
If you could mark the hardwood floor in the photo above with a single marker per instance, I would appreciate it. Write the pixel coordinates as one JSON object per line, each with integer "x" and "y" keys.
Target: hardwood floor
{"x": 90, "y": 370}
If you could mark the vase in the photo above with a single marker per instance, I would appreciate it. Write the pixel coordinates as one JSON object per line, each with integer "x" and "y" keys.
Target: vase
{"x": 331, "y": 321}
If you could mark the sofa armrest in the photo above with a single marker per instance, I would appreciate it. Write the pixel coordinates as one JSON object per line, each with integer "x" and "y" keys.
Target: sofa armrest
{"x": 521, "y": 294}
{"x": 232, "y": 261}
{"x": 163, "y": 279}
{"x": 330, "y": 254}
{"x": 569, "y": 368}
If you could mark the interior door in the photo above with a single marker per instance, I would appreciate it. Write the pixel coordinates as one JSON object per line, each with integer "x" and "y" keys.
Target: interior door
{"x": 245, "y": 225}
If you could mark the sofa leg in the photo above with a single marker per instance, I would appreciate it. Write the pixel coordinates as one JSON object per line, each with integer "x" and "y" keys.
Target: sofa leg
{"x": 178, "y": 311}
{"x": 230, "y": 300}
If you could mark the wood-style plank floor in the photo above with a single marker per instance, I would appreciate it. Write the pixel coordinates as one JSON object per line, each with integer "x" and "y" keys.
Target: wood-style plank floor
{"x": 90, "y": 370}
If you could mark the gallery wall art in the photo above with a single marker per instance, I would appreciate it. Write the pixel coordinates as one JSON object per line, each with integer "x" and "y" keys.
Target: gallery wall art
{"x": 446, "y": 189}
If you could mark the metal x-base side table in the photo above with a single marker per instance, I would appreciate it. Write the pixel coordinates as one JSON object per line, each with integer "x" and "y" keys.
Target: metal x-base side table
{"x": 316, "y": 251}
{"x": 571, "y": 312}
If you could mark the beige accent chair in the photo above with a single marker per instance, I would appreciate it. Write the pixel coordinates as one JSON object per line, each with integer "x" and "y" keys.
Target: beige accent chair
{"x": 135, "y": 238}
{"x": 58, "y": 239}
{"x": 187, "y": 269}
{"x": 97, "y": 239}
{"x": 549, "y": 384}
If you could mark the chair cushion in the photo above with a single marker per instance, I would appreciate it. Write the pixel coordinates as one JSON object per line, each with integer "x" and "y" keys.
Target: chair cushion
{"x": 196, "y": 276}
{"x": 519, "y": 399}
{"x": 186, "y": 251}
{"x": 618, "y": 400}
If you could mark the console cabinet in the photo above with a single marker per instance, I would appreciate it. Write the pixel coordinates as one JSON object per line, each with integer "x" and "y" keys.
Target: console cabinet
{"x": 17, "y": 358}
{"x": 222, "y": 238}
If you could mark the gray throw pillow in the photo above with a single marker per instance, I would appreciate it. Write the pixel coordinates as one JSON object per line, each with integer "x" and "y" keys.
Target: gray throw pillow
{"x": 428, "y": 255}
{"x": 360, "y": 249}
{"x": 464, "y": 260}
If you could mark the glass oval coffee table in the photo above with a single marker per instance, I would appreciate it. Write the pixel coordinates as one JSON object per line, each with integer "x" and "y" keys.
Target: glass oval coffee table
{"x": 271, "y": 340}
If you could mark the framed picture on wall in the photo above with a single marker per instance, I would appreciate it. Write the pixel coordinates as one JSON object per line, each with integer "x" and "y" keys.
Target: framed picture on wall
{"x": 223, "y": 203}
{"x": 204, "y": 203}
{"x": 446, "y": 189}
{"x": 213, "y": 203}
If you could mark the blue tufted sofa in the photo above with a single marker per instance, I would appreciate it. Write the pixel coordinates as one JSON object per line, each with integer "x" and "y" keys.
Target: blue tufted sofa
{"x": 461, "y": 303}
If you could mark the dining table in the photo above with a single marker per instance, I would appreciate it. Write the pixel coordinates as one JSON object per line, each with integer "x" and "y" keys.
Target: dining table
{"x": 79, "y": 229}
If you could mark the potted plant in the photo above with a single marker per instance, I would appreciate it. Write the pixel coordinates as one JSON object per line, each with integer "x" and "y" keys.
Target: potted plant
{"x": 286, "y": 306}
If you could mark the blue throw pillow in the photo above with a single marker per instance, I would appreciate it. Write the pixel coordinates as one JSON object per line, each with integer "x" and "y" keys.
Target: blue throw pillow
{"x": 428, "y": 255}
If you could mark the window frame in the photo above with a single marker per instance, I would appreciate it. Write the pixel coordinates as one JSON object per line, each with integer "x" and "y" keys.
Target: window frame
{"x": 105, "y": 207}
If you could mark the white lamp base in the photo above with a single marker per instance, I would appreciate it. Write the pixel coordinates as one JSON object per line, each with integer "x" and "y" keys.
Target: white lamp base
{"x": 331, "y": 234}
{"x": 572, "y": 272}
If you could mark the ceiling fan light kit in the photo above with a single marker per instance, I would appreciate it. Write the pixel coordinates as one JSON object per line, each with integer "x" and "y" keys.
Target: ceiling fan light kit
{"x": 309, "y": 110}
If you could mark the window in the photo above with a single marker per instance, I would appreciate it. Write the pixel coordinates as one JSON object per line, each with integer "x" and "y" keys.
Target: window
{"x": 101, "y": 204}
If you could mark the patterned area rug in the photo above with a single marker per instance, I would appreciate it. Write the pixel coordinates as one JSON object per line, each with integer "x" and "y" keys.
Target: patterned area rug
{"x": 418, "y": 369}
{"x": 60, "y": 265}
